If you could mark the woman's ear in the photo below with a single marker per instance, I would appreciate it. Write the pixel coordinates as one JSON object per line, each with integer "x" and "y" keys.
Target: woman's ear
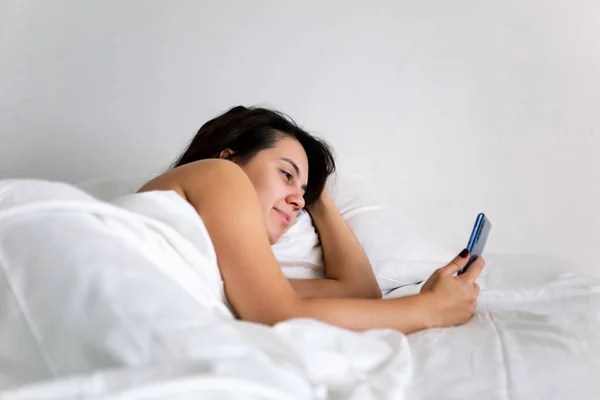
{"x": 226, "y": 154}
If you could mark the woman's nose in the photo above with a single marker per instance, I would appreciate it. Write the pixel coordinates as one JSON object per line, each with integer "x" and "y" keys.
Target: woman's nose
{"x": 296, "y": 199}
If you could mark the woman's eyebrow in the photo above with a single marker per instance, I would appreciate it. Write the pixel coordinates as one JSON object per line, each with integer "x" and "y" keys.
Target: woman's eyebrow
{"x": 293, "y": 164}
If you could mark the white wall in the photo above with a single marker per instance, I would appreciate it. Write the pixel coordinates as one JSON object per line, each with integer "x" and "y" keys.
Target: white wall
{"x": 454, "y": 107}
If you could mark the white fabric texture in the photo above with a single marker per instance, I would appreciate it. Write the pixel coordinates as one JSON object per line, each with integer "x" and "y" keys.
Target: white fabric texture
{"x": 125, "y": 300}
{"x": 535, "y": 335}
{"x": 109, "y": 188}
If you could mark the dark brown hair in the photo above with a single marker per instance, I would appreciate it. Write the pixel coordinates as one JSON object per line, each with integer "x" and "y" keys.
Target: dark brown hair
{"x": 247, "y": 131}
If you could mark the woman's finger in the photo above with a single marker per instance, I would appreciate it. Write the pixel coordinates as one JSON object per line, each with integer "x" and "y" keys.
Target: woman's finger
{"x": 474, "y": 270}
{"x": 456, "y": 265}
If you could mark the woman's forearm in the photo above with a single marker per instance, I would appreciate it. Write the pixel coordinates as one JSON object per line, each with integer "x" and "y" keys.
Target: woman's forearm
{"x": 329, "y": 288}
{"x": 406, "y": 314}
{"x": 344, "y": 258}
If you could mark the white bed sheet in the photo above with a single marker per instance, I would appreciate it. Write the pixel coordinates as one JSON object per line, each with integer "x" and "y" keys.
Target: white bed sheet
{"x": 535, "y": 335}
{"x": 145, "y": 319}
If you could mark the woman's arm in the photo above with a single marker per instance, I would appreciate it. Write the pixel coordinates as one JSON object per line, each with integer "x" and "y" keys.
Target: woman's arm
{"x": 257, "y": 289}
{"x": 348, "y": 271}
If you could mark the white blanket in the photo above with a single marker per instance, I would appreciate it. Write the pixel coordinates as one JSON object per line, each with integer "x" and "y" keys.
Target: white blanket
{"x": 125, "y": 300}
{"x": 535, "y": 335}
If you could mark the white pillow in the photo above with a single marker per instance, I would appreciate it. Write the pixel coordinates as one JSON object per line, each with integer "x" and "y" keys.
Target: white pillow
{"x": 400, "y": 251}
{"x": 107, "y": 189}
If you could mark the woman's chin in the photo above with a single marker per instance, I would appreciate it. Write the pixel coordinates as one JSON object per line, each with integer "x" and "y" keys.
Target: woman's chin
{"x": 274, "y": 236}
{"x": 273, "y": 240}
{"x": 276, "y": 229}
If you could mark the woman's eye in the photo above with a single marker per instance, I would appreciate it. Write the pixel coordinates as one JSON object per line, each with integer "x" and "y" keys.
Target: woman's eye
{"x": 287, "y": 175}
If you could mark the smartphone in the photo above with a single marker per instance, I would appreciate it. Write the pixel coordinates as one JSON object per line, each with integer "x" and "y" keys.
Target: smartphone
{"x": 477, "y": 240}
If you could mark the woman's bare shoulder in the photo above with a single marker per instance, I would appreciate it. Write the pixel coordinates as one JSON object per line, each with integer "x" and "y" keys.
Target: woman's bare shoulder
{"x": 208, "y": 176}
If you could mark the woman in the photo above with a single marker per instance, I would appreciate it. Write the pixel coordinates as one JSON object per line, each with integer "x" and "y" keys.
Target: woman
{"x": 248, "y": 173}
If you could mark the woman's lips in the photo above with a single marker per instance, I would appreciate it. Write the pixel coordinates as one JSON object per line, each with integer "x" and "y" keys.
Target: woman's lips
{"x": 286, "y": 217}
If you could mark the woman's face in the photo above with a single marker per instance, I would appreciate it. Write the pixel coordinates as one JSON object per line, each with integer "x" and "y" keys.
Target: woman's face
{"x": 279, "y": 175}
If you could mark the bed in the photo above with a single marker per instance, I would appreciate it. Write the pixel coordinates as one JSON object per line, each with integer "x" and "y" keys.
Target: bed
{"x": 535, "y": 335}
{"x": 147, "y": 331}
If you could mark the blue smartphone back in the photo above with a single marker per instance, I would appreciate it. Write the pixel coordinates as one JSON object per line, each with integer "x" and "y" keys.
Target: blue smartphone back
{"x": 478, "y": 239}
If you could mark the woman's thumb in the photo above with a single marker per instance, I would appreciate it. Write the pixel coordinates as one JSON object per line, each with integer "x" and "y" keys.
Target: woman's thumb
{"x": 457, "y": 264}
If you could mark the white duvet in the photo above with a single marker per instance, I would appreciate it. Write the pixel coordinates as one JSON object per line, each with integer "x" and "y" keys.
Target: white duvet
{"x": 125, "y": 300}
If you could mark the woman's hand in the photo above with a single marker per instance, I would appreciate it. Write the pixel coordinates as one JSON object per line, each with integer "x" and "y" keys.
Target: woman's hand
{"x": 454, "y": 297}
{"x": 317, "y": 207}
